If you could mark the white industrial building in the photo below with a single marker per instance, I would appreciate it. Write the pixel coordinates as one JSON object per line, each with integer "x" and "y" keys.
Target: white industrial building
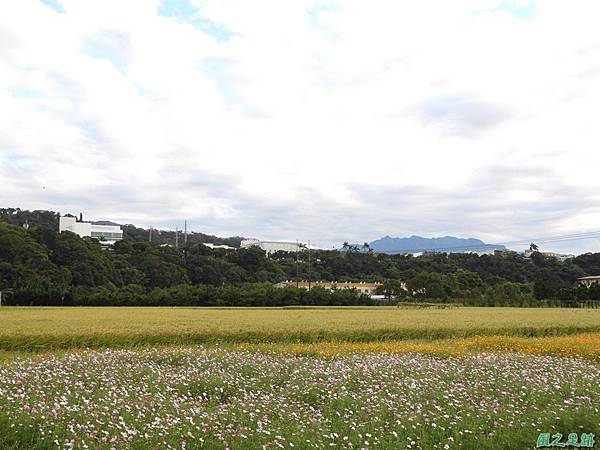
{"x": 274, "y": 246}
{"x": 106, "y": 234}
{"x": 364, "y": 287}
{"x": 213, "y": 246}
{"x": 588, "y": 281}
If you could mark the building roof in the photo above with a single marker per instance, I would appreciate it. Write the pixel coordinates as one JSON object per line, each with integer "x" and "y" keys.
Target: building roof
{"x": 334, "y": 283}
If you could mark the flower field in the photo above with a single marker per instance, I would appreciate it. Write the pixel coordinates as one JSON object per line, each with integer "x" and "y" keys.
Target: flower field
{"x": 211, "y": 398}
{"x": 584, "y": 345}
{"x": 258, "y": 378}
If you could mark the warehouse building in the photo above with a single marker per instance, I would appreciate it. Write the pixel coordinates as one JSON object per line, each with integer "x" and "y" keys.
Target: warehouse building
{"x": 364, "y": 287}
{"x": 588, "y": 281}
{"x": 274, "y": 246}
{"x": 106, "y": 234}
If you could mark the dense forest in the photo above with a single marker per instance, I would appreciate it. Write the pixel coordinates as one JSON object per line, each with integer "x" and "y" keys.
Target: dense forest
{"x": 40, "y": 266}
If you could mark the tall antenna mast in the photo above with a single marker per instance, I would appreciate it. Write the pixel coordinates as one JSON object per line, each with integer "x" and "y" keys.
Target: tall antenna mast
{"x": 176, "y": 238}
{"x": 150, "y": 235}
{"x": 185, "y": 233}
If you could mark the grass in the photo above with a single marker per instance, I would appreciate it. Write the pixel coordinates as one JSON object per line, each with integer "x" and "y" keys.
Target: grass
{"x": 43, "y": 329}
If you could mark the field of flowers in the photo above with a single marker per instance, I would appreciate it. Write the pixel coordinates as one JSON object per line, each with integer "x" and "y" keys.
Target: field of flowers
{"x": 584, "y": 345}
{"x": 372, "y": 378}
{"x": 210, "y": 398}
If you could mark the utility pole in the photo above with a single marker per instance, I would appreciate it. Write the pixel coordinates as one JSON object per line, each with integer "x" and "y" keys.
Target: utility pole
{"x": 150, "y": 235}
{"x": 185, "y": 233}
{"x": 176, "y": 238}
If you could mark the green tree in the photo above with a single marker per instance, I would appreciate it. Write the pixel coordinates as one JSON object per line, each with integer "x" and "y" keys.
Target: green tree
{"x": 26, "y": 269}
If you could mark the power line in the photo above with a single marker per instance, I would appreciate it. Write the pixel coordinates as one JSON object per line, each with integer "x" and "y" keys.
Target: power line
{"x": 547, "y": 240}
{"x": 575, "y": 236}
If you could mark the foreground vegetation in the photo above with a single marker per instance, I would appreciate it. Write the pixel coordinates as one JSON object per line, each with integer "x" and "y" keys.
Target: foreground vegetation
{"x": 39, "y": 329}
{"x": 200, "y": 398}
{"x": 348, "y": 377}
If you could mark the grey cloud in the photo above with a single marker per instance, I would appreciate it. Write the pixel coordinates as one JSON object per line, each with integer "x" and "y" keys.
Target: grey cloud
{"x": 182, "y": 175}
{"x": 461, "y": 114}
{"x": 479, "y": 208}
{"x": 230, "y": 84}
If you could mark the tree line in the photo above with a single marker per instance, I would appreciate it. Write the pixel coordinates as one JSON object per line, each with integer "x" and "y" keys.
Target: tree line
{"x": 40, "y": 266}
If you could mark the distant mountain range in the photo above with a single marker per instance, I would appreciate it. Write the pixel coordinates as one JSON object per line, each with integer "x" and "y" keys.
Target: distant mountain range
{"x": 417, "y": 244}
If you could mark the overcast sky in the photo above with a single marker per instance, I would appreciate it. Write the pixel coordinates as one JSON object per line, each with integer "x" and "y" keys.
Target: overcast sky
{"x": 325, "y": 120}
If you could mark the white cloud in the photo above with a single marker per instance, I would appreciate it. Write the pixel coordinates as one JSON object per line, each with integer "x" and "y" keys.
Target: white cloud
{"x": 324, "y": 120}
